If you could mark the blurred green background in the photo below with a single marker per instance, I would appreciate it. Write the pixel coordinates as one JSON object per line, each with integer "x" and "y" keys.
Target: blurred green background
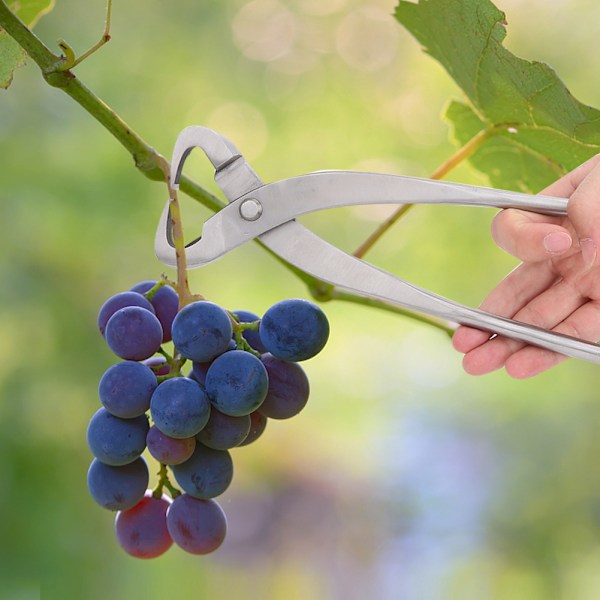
{"x": 403, "y": 478}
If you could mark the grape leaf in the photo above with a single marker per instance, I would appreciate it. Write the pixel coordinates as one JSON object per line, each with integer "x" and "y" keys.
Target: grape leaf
{"x": 537, "y": 129}
{"x": 12, "y": 56}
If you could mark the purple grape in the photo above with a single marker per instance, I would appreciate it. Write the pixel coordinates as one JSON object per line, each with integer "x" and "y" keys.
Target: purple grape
{"x": 133, "y": 333}
{"x": 179, "y": 407}
{"x": 252, "y": 337}
{"x": 142, "y": 530}
{"x": 158, "y": 365}
{"x": 118, "y": 488}
{"x": 125, "y": 389}
{"x": 206, "y": 474}
{"x": 201, "y": 331}
{"x": 116, "y": 441}
{"x": 198, "y": 526}
{"x": 294, "y": 329}
{"x": 168, "y": 450}
{"x": 237, "y": 383}
{"x": 223, "y": 432}
{"x": 118, "y": 301}
{"x": 288, "y": 388}
{"x": 165, "y": 302}
{"x": 258, "y": 424}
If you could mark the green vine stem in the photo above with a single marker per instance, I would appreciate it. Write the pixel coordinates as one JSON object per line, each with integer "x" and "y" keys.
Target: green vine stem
{"x": 165, "y": 482}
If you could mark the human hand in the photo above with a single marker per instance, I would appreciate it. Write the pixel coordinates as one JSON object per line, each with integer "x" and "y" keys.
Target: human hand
{"x": 557, "y": 286}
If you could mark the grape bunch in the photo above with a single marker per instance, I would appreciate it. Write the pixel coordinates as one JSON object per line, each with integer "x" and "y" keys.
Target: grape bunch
{"x": 244, "y": 370}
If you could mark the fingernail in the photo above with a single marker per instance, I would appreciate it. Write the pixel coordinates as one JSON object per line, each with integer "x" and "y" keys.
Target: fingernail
{"x": 557, "y": 242}
{"x": 588, "y": 251}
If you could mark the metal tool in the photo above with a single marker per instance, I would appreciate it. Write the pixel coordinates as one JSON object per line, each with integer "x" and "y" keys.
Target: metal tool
{"x": 268, "y": 211}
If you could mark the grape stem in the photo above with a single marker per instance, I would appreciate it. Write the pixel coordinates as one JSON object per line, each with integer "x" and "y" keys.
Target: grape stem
{"x": 238, "y": 330}
{"x": 164, "y": 482}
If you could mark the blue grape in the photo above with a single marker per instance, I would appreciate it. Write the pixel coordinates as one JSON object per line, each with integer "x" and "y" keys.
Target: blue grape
{"x": 165, "y": 302}
{"x": 288, "y": 388}
{"x": 125, "y": 389}
{"x": 258, "y": 424}
{"x": 168, "y": 450}
{"x": 252, "y": 337}
{"x": 118, "y": 301}
{"x": 133, "y": 333}
{"x": 118, "y": 488}
{"x": 206, "y": 474}
{"x": 198, "y": 526}
{"x": 142, "y": 530}
{"x": 179, "y": 407}
{"x": 116, "y": 441}
{"x": 294, "y": 330}
{"x": 237, "y": 383}
{"x": 201, "y": 331}
{"x": 199, "y": 371}
{"x": 224, "y": 431}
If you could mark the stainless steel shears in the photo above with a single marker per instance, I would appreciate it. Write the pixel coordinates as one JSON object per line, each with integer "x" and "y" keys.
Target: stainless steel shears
{"x": 268, "y": 212}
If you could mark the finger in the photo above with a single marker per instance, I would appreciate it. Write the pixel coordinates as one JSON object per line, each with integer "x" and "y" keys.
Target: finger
{"x": 583, "y": 324}
{"x": 516, "y": 290}
{"x": 529, "y": 236}
{"x": 533, "y": 237}
{"x": 568, "y": 183}
{"x": 555, "y": 306}
{"x": 584, "y": 213}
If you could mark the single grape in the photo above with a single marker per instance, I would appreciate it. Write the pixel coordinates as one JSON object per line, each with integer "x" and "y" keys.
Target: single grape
{"x": 118, "y": 488}
{"x": 168, "y": 450}
{"x": 179, "y": 407}
{"x": 201, "y": 331}
{"x": 294, "y": 329}
{"x": 258, "y": 424}
{"x": 165, "y": 302}
{"x": 142, "y": 530}
{"x": 252, "y": 337}
{"x": 158, "y": 364}
{"x": 237, "y": 383}
{"x": 206, "y": 474}
{"x": 133, "y": 333}
{"x": 224, "y": 431}
{"x": 118, "y": 301}
{"x": 125, "y": 389}
{"x": 116, "y": 441}
{"x": 288, "y": 388}
{"x": 199, "y": 371}
{"x": 198, "y": 526}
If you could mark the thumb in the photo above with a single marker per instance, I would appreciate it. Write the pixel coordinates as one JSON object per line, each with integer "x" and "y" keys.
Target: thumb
{"x": 530, "y": 237}
{"x": 584, "y": 214}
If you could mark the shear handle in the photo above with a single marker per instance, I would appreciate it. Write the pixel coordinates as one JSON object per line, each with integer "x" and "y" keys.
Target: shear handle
{"x": 269, "y": 206}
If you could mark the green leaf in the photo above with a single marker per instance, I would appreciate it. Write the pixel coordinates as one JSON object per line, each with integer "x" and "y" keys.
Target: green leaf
{"x": 12, "y": 56}
{"x": 537, "y": 129}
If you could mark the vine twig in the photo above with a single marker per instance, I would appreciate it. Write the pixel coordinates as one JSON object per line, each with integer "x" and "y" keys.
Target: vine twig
{"x": 70, "y": 59}
{"x": 458, "y": 157}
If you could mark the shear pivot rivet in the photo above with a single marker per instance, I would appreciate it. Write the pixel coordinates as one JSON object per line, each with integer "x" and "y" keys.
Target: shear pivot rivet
{"x": 251, "y": 209}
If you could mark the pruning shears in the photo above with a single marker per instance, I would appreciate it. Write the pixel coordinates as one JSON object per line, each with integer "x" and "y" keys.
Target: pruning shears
{"x": 268, "y": 211}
